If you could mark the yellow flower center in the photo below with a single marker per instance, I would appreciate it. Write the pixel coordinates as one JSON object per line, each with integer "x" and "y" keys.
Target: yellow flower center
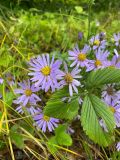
{"x": 46, "y": 118}
{"x": 81, "y": 57}
{"x": 46, "y": 70}
{"x": 112, "y": 109}
{"x": 28, "y": 92}
{"x": 68, "y": 78}
{"x": 98, "y": 63}
{"x": 96, "y": 42}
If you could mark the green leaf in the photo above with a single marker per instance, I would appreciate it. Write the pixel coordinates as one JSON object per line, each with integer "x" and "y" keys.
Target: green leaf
{"x": 92, "y": 110}
{"x": 52, "y": 142}
{"x": 79, "y": 9}
{"x": 62, "y": 137}
{"x": 103, "y": 76}
{"x": 17, "y": 139}
{"x": 9, "y": 96}
{"x": 55, "y": 107}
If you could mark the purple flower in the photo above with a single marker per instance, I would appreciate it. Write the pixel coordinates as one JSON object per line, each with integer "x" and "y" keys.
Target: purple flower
{"x": 102, "y": 36}
{"x": 80, "y": 100}
{"x": 96, "y": 42}
{"x": 10, "y": 79}
{"x": 115, "y": 62}
{"x": 100, "y": 60}
{"x": 43, "y": 122}
{"x": 118, "y": 146}
{"x": 70, "y": 130}
{"x": 1, "y": 80}
{"x": 27, "y": 92}
{"x": 109, "y": 93}
{"x": 117, "y": 39}
{"x": 79, "y": 56}
{"x": 80, "y": 35}
{"x": 30, "y": 108}
{"x": 115, "y": 108}
{"x": 69, "y": 79}
{"x": 44, "y": 72}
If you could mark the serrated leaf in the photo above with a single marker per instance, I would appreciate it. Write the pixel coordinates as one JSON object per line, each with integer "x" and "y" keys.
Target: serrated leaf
{"x": 92, "y": 110}
{"x": 103, "y": 76}
{"x": 62, "y": 137}
{"x": 55, "y": 107}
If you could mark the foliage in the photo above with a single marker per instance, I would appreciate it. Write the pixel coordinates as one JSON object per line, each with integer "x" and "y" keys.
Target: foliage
{"x": 29, "y": 28}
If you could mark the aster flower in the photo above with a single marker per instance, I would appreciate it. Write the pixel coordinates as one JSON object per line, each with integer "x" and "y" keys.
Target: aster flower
{"x": 100, "y": 60}
{"x": 69, "y": 79}
{"x": 80, "y": 100}
{"x": 27, "y": 92}
{"x": 1, "y": 80}
{"x": 30, "y": 108}
{"x": 102, "y": 36}
{"x": 44, "y": 72}
{"x": 109, "y": 93}
{"x": 43, "y": 122}
{"x": 118, "y": 146}
{"x": 80, "y": 35}
{"x": 115, "y": 108}
{"x": 79, "y": 56}
{"x": 10, "y": 79}
{"x": 117, "y": 39}
{"x": 115, "y": 62}
{"x": 97, "y": 42}
{"x": 70, "y": 130}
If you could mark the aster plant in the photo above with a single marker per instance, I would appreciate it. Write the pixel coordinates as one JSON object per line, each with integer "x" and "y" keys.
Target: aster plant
{"x": 84, "y": 84}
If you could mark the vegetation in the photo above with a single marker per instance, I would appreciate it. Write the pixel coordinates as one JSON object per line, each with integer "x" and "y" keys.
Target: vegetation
{"x": 87, "y": 128}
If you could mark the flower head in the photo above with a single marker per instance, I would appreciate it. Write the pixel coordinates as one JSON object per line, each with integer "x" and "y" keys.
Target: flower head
{"x": 43, "y": 122}
{"x": 79, "y": 57}
{"x": 30, "y": 108}
{"x": 44, "y": 72}
{"x": 102, "y": 36}
{"x": 109, "y": 93}
{"x": 27, "y": 92}
{"x": 69, "y": 78}
{"x": 100, "y": 60}
{"x": 1, "y": 79}
{"x": 10, "y": 79}
{"x": 115, "y": 108}
{"x": 97, "y": 42}
{"x": 80, "y": 35}
{"x": 117, "y": 39}
{"x": 115, "y": 63}
{"x": 118, "y": 146}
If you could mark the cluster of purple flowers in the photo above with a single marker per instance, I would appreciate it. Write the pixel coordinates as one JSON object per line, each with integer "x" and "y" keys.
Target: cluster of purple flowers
{"x": 46, "y": 74}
